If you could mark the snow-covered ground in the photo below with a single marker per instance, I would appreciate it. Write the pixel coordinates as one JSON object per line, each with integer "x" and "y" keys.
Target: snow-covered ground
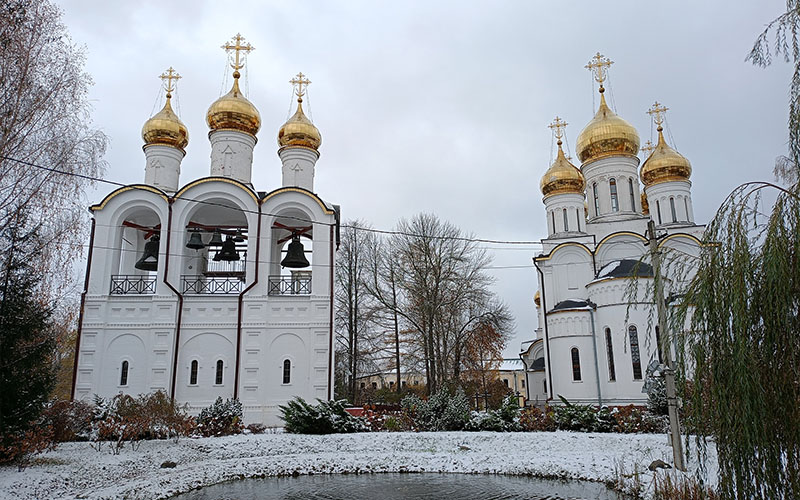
{"x": 75, "y": 470}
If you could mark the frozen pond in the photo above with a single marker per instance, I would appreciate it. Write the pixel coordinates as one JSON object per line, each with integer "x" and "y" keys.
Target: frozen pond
{"x": 402, "y": 486}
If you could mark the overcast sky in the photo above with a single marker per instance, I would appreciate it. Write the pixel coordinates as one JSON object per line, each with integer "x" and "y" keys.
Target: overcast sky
{"x": 443, "y": 106}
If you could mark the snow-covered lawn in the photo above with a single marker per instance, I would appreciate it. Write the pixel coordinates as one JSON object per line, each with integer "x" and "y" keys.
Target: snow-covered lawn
{"x": 75, "y": 470}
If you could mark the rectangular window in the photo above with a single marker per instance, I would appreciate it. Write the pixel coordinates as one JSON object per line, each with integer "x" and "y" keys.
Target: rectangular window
{"x": 576, "y": 365}
{"x": 287, "y": 371}
{"x": 635, "y": 356}
{"x": 658, "y": 211}
{"x": 612, "y": 185}
{"x": 633, "y": 196}
{"x": 612, "y": 373}
{"x": 672, "y": 208}
{"x": 218, "y": 376}
{"x": 566, "y": 222}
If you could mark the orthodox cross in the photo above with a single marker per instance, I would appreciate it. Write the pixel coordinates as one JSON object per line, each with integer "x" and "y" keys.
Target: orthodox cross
{"x": 557, "y": 127}
{"x": 300, "y": 84}
{"x": 657, "y": 111}
{"x": 168, "y": 76}
{"x": 236, "y": 48}
{"x": 647, "y": 148}
{"x": 599, "y": 67}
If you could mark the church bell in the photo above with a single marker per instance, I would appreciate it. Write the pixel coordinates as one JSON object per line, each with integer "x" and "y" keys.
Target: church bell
{"x": 149, "y": 261}
{"x": 195, "y": 241}
{"x": 228, "y": 251}
{"x": 216, "y": 239}
{"x": 295, "y": 255}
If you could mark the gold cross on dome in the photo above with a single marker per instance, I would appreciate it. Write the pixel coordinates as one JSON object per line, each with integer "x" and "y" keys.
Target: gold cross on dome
{"x": 168, "y": 76}
{"x": 657, "y": 111}
{"x": 599, "y": 67}
{"x": 236, "y": 48}
{"x": 557, "y": 127}
{"x": 300, "y": 84}
{"x": 647, "y": 148}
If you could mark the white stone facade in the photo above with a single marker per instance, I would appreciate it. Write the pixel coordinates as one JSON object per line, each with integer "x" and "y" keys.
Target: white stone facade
{"x": 597, "y": 332}
{"x": 199, "y": 327}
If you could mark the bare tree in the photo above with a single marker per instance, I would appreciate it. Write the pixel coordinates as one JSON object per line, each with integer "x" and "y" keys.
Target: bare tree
{"x": 44, "y": 122}
{"x": 353, "y": 304}
{"x": 432, "y": 277}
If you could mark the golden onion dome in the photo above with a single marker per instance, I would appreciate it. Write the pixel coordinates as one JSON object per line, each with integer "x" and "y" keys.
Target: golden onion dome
{"x": 165, "y": 128}
{"x": 299, "y": 131}
{"x": 606, "y": 135}
{"x": 537, "y": 298}
{"x": 562, "y": 177}
{"x": 234, "y": 112}
{"x": 645, "y": 204}
{"x": 664, "y": 164}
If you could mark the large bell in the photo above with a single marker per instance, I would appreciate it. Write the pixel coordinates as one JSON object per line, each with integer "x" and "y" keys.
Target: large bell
{"x": 295, "y": 256}
{"x": 149, "y": 261}
{"x": 195, "y": 241}
{"x": 228, "y": 251}
{"x": 216, "y": 239}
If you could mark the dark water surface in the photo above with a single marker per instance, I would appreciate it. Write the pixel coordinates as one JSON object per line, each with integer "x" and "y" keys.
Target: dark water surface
{"x": 402, "y": 486}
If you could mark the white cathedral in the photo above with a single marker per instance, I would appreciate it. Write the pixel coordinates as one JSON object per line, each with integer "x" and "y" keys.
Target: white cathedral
{"x": 213, "y": 288}
{"x": 591, "y": 346}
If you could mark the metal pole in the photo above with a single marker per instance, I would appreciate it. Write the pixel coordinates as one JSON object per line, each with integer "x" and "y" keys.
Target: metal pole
{"x": 669, "y": 373}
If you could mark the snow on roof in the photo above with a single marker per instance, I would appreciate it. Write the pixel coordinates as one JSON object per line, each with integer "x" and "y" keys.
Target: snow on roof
{"x": 510, "y": 365}
{"x": 572, "y": 304}
{"x": 625, "y": 268}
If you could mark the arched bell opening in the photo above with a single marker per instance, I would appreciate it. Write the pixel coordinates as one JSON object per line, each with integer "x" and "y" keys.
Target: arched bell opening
{"x": 139, "y": 253}
{"x": 291, "y": 257}
{"x": 214, "y": 248}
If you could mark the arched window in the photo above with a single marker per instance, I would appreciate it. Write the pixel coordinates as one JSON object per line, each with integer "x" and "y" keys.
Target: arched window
{"x": 612, "y": 185}
{"x": 612, "y": 373}
{"x": 553, "y": 220}
{"x": 686, "y": 206}
{"x": 576, "y": 365}
{"x": 672, "y": 209}
{"x": 635, "y": 357}
{"x": 658, "y": 211}
{"x": 218, "y": 375}
{"x": 193, "y": 373}
{"x": 566, "y": 222}
{"x": 658, "y": 345}
{"x": 578, "y": 218}
{"x": 633, "y": 196}
{"x": 287, "y": 372}
{"x": 596, "y": 199}
{"x": 123, "y": 374}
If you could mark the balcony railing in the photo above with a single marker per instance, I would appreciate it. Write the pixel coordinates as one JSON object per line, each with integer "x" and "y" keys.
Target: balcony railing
{"x": 127, "y": 284}
{"x": 193, "y": 284}
{"x": 290, "y": 285}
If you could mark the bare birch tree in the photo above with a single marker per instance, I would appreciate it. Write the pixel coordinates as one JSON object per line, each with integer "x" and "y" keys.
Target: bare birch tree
{"x": 45, "y": 127}
{"x": 353, "y": 304}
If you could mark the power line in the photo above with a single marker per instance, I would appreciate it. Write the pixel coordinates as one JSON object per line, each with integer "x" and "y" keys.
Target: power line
{"x": 301, "y": 219}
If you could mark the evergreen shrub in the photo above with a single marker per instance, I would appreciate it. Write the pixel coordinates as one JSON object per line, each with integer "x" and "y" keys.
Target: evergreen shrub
{"x": 326, "y": 417}
{"x": 222, "y": 418}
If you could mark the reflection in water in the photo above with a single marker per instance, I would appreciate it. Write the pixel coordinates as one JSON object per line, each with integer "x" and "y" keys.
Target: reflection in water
{"x": 401, "y": 487}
